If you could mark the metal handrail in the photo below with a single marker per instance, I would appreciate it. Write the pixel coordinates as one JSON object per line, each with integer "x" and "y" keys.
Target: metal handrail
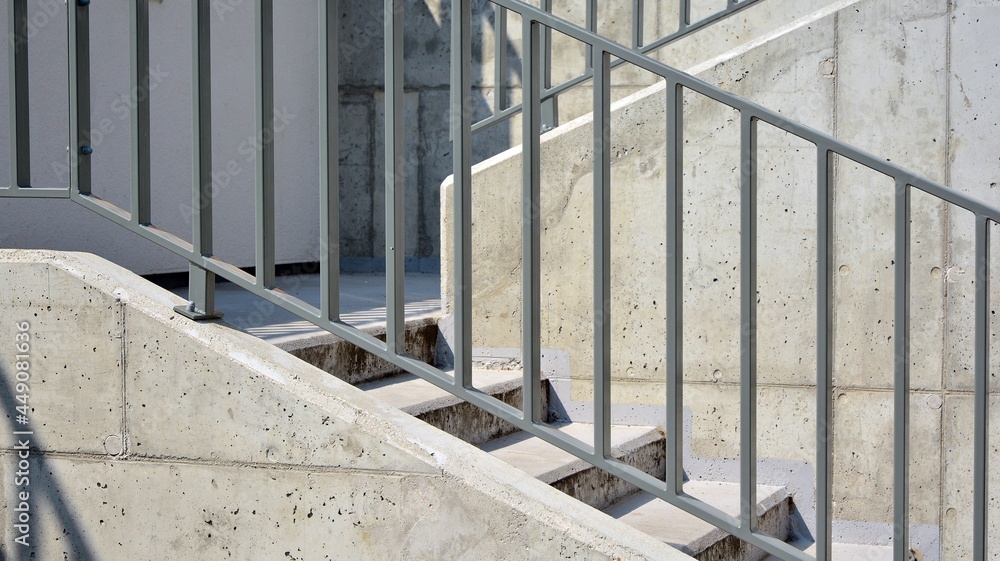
{"x": 204, "y": 265}
{"x": 827, "y": 147}
{"x": 502, "y": 111}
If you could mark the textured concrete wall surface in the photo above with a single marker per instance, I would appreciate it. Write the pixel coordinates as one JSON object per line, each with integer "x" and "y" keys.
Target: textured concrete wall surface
{"x": 146, "y": 436}
{"x": 909, "y": 81}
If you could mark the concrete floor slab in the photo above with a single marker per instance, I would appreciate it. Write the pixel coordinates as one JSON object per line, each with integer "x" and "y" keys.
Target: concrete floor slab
{"x": 362, "y": 303}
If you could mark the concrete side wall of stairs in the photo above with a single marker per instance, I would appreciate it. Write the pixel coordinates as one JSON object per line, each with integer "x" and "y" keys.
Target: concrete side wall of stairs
{"x": 910, "y": 81}
{"x": 156, "y": 437}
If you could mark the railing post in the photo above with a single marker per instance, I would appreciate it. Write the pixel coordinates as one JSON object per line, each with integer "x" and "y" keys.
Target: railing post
{"x": 530, "y": 220}
{"x": 748, "y": 321}
{"x": 824, "y": 356}
{"x": 78, "y": 37}
{"x": 461, "y": 134}
{"x": 638, "y": 8}
{"x": 549, "y": 105}
{"x": 329, "y": 157}
{"x": 500, "y": 56}
{"x": 201, "y": 284}
{"x": 139, "y": 23}
{"x": 675, "y": 289}
{"x": 602, "y": 252}
{"x": 395, "y": 159}
{"x": 591, "y": 25}
{"x": 264, "y": 233}
{"x": 981, "y": 453}
{"x": 20, "y": 139}
{"x": 901, "y": 384}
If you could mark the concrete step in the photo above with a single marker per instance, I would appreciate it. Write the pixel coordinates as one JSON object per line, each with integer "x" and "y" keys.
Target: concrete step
{"x": 696, "y": 537}
{"x": 355, "y": 366}
{"x": 641, "y": 447}
{"x": 850, "y": 551}
{"x": 443, "y": 410}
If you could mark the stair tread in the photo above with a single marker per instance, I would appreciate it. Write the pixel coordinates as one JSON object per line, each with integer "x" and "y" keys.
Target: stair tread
{"x": 415, "y": 395}
{"x": 548, "y": 463}
{"x": 647, "y": 513}
{"x": 851, "y": 551}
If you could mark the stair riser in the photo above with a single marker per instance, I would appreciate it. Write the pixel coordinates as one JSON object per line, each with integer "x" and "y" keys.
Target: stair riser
{"x": 774, "y": 522}
{"x": 472, "y": 424}
{"x": 600, "y": 489}
{"x": 355, "y": 366}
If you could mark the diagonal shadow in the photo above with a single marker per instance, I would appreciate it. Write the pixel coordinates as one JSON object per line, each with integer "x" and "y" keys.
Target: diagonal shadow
{"x": 42, "y": 484}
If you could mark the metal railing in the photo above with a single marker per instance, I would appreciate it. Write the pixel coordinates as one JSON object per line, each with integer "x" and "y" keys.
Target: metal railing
{"x": 549, "y": 93}
{"x": 604, "y": 53}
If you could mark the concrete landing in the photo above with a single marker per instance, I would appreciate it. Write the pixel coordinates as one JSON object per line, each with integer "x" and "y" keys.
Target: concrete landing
{"x": 362, "y": 303}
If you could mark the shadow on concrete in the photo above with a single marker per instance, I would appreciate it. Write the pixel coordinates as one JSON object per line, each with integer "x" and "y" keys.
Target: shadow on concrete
{"x": 43, "y": 487}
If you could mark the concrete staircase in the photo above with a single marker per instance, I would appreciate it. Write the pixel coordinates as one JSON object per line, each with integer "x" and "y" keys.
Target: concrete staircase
{"x": 642, "y": 447}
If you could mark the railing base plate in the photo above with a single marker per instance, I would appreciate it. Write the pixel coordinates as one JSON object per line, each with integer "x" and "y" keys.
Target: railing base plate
{"x": 197, "y": 315}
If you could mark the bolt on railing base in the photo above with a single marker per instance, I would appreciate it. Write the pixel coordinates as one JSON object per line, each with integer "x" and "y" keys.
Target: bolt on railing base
{"x": 190, "y": 311}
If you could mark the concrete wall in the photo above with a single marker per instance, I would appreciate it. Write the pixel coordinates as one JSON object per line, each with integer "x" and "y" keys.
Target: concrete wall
{"x": 428, "y": 147}
{"x": 906, "y": 80}
{"x": 155, "y": 437}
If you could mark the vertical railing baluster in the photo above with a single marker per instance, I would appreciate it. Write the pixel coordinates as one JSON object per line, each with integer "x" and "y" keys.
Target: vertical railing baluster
{"x": 201, "y": 286}
{"x": 602, "y": 252}
{"x": 549, "y": 106}
{"x": 824, "y": 356}
{"x": 20, "y": 138}
{"x": 638, "y": 7}
{"x": 981, "y": 474}
{"x": 395, "y": 250}
{"x": 530, "y": 218}
{"x": 748, "y": 321}
{"x": 139, "y": 104}
{"x": 461, "y": 127}
{"x": 591, "y": 24}
{"x": 500, "y": 56}
{"x": 675, "y": 289}
{"x": 78, "y": 37}
{"x": 901, "y": 384}
{"x": 264, "y": 234}
{"x": 685, "y": 15}
{"x": 329, "y": 159}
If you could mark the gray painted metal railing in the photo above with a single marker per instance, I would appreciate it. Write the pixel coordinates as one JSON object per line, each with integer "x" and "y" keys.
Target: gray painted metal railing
{"x": 604, "y": 54}
{"x": 539, "y": 21}
{"x": 549, "y": 93}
